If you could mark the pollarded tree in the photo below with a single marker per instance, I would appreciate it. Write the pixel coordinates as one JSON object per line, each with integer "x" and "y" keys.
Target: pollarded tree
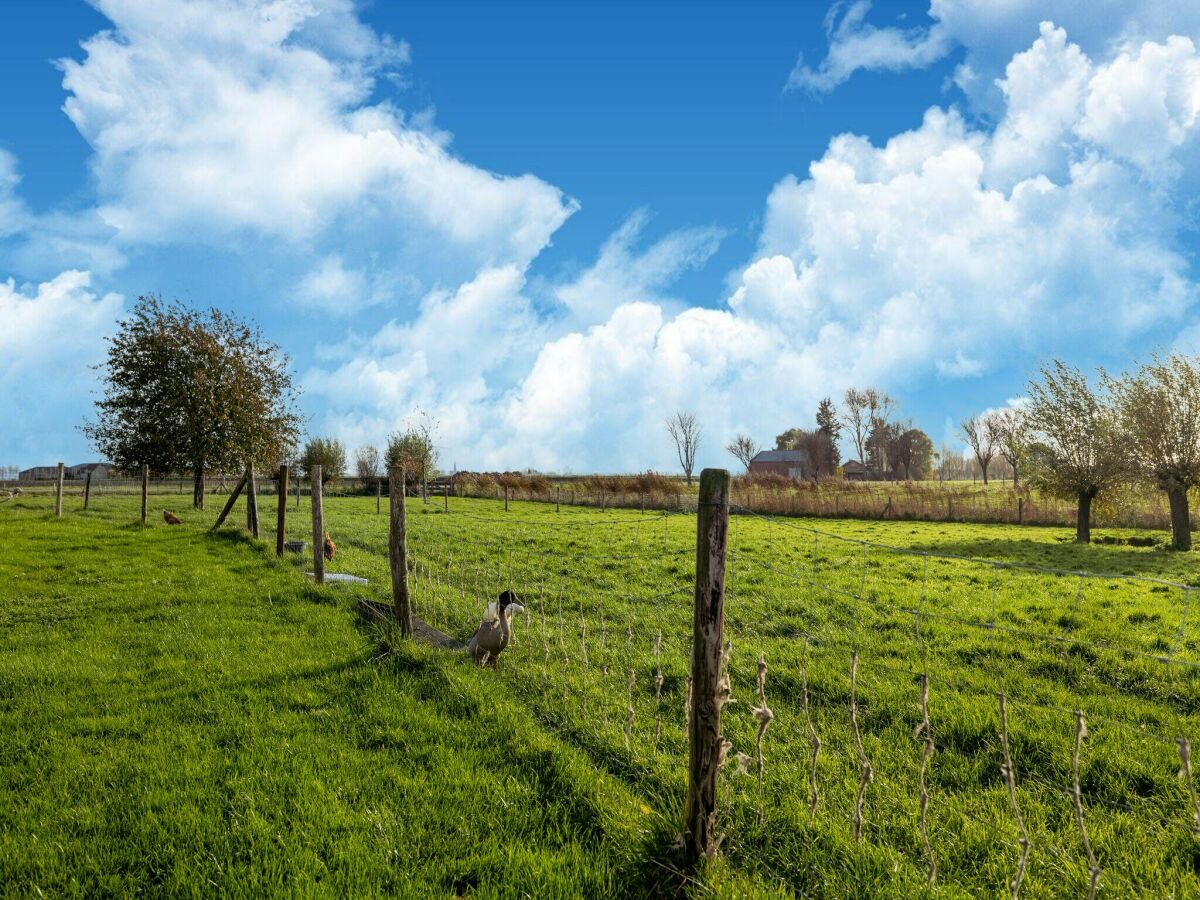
{"x": 1159, "y": 408}
{"x": 193, "y": 390}
{"x": 1077, "y": 448}
{"x": 743, "y": 448}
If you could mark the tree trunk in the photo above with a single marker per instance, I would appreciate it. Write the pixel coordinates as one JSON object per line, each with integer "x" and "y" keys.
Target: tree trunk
{"x": 1016, "y": 485}
{"x": 1083, "y": 520}
{"x": 984, "y": 466}
{"x": 1181, "y": 525}
{"x": 198, "y": 486}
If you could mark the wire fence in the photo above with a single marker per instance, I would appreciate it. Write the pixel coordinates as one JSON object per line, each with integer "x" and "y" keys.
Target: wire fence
{"x": 896, "y": 716}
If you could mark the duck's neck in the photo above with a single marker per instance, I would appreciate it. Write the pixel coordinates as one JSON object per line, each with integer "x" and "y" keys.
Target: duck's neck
{"x": 503, "y": 616}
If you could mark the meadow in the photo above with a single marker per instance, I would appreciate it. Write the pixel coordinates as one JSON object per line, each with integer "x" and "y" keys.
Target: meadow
{"x": 180, "y": 712}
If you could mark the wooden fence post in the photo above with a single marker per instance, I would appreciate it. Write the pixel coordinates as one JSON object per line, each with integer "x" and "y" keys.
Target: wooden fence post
{"x": 87, "y": 489}
{"x": 558, "y": 499}
{"x": 145, "y": 491}
{"x": 709, "y": 692}
{"x": 58, "y": 489}
{"x": 506, "y": 499}
{"x": 281, "y": 520}
{"x": 233, "y": 495}
{"x": 378, "y": 494}
{"x": 1020, "y": 510}
{"x": 298, "y": 480}
{"x": 318, "y": 524}
{"x": 251, "y": 501}
{"x": 398, "y": 549}
{"x": 424, "y": 486}
{"x": 445, "y": 498}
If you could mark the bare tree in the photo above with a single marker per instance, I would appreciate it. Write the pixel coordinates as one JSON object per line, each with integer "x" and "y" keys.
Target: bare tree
{"x": 744, "y": 448}
{"x": 1159, "y": 408}
{"x": 1077, "y": 449}
{"x": 981, "y": 436}
{"x": 685, "y": 432}
{"x": 367, "y": 462}
{"x": 1011, "y": 431}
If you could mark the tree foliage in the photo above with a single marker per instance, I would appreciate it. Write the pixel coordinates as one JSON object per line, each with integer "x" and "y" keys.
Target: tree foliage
{"x": 328, "y": 453}
{"x": 414, "y": 448}
{"x": 368, "y": 463}
{"x": 193, "y": 390}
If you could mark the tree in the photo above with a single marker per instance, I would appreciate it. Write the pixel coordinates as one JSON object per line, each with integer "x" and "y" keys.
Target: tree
{"x": 821, "y": 451}
{"x": 367, "y": 462}
{"x": 414, "y": 448}
{"x": 787, "y": 440}
{"x": 911, "y": 448}
{"x": 193, "y": 390}
{"x": 744, "y": 449}
{"x": 827, "y": 420}
{"x": 328, "y": 453}
{"x": 857, "y": 420}
{"x": 1076, "y": 449}
{"x": 1159, "y": 410}
{"x": 685, "y": 432}
{"x": 1011, "y": 431}
{"x": 980, "y": 435}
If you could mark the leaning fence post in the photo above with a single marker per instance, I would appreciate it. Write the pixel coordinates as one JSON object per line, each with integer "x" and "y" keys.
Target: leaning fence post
{"x": 398, "y": 549}
{"x": 251, "y": 502}
{"x": 58, "y": 489}
{"x": 318, "y": 526}
{"x": 87, "y": 489}
{"x": 704, "y": 722}
{"x": 145, "y": 491}
{"x": 281, "y": 520}
{"x": 233, "y": 495}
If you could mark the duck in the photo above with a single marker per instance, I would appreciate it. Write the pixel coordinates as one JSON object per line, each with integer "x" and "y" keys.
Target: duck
{"x": 170, "y": 518}
{"x": 330, "y": 548}
{"x": 491, "y": 637}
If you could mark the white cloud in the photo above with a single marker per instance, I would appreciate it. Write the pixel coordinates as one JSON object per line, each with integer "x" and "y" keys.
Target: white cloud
{"x": 49, "y": 335}
{"x": 13, "y": 215}
{"x": 212, "y": 118}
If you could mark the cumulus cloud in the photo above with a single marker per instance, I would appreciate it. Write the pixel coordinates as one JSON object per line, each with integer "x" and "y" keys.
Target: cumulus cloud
{"x": 940, "y": 253}
{"x": 49, "y": 334}
{"x": 213, "y": 118}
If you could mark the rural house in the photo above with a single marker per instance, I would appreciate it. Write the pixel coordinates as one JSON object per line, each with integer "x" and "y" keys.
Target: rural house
{"x": 788, "y": 463}
{"x": 856, "y": 471}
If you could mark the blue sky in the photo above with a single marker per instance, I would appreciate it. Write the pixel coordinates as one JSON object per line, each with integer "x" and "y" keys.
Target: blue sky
{"x": 550, "y": 225}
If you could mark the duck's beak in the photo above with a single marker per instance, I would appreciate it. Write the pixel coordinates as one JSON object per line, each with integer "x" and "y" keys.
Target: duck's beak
{"x": 515, "y": 608}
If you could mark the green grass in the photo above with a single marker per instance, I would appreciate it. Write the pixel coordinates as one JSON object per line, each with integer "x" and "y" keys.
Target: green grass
{"x": 180, "y": 713}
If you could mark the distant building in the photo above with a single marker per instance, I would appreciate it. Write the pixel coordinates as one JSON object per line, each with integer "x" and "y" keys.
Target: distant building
{"x": 856, "y": 471}
{"x": 788, "y": 463}
{"x": 49, "y": 473}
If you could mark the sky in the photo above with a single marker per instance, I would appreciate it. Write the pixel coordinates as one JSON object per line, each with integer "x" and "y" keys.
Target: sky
{"x": 549, "y": 226}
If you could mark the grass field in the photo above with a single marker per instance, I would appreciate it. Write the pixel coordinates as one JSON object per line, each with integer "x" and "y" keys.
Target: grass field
{"x": 180, "y": 713}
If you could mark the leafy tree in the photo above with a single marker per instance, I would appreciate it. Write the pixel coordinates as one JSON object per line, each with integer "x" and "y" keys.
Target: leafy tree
{"x": 1159, "y": 409}
{"x": 980, "y": 434}
{"x": 193, "y": 390}
{"x": 912, "y": 449}
{"x": 744, "y": 448}
{"x": 1076, "y": 449}
{"x": 787, "y": 440}
{"x": 822, "y": 452}
{"x": 414, "y": 448}
{"x": 865, "y": 413}
{"x": 685, "y": 432}
{"x": 328, "y": 453}
{"x": 367, "y": 462}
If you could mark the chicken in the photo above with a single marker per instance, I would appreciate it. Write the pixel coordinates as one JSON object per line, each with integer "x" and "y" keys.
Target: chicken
{"x": 171, "y": 519}
{"x": 330, "y": 548}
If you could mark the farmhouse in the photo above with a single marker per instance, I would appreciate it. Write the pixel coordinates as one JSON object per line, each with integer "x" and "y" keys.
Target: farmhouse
{"x": 788, "y": 463}
{"x": 49, "y": 473}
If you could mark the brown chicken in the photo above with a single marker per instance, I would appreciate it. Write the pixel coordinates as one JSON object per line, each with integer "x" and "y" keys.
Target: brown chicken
{"x": 171, "y": 518}
{"x": 330, "y": 548}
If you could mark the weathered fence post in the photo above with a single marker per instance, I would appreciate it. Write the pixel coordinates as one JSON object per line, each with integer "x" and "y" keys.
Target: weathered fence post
{"x": 251, "y": 501}
{"x": 1020, "y": 510}
{"x": 708, "y": 691}
{"x": 398, "y": 549}
{"x": 557, "y": 499}
{"x": 318, "y": 526}
{"x": 445, "y": 498}
{"x": 281, "y": 519}
{"x": 58, "y": 489}
{"x": 233, "y": 495}
{"x": 87, "y": 489}
{"x": 506, "y": 499}
{"x": 424, "y": 485}
{"x": 378, "y": 494}
{"x": 145, "y": 491}
{"x": 298, "y": 480}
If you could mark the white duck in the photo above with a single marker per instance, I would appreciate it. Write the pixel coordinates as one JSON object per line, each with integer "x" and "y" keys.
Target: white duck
{"x": 491, "y": 637}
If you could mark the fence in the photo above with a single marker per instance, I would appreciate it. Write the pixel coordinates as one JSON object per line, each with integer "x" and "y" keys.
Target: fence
{"x": 892, "y": 718}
